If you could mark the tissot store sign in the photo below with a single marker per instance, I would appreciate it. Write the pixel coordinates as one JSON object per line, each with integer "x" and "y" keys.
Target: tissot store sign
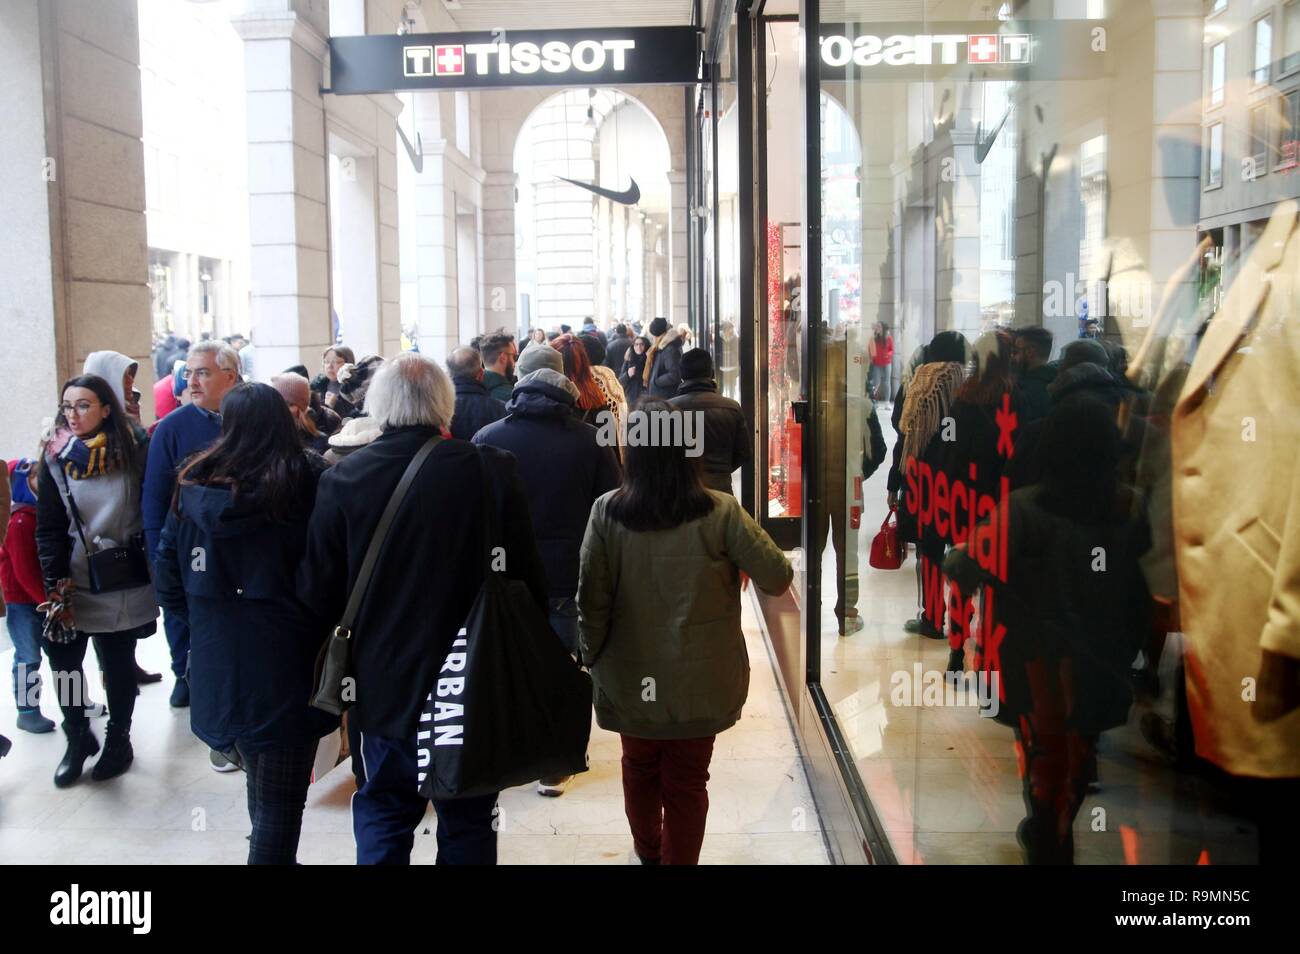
{"x": 1054, "y": 49}
{"x": 505, "y": 58}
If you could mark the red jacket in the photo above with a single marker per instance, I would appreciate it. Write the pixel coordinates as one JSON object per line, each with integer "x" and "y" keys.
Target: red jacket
{"x": 20, "y": 568}
{"x": 882, "y": 354}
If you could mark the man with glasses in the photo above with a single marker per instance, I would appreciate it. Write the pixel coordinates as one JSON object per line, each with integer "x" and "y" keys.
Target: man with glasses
{"x": 211, "y": 369}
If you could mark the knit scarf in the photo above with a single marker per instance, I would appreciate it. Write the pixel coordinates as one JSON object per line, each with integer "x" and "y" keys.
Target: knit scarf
{"x": 929, "y": 397}
{"x": 85, "y": 459}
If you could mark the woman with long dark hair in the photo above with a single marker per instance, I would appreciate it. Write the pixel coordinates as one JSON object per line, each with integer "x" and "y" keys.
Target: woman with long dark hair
{"x": 633, "y": 368}
{"x": 230, "y": 548}
{"x": 659, "y": 600}
{"x": 90, "y": 539}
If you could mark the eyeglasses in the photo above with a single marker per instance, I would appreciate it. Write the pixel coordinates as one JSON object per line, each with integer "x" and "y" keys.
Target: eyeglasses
{"x": 81, "y": 408}
{"x": 201, "y": 373}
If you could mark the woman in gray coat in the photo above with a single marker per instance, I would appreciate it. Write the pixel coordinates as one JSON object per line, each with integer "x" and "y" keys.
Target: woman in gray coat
{"x": 89, "y": 501}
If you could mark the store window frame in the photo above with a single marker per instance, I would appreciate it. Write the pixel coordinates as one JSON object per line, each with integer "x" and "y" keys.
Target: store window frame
{"x": 1209, "y": 183}
{"x": 1256, "y": 82}
{"x": 1258, "y": 139}
{"x": 1289, "y": 61}
{"x": 1211, "y": 103}
{"x": 1288, "y": 108}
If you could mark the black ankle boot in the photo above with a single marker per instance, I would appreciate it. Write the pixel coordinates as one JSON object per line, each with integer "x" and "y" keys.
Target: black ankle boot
{"x": 82, "y": 744}
{"x": 118, "y": 753}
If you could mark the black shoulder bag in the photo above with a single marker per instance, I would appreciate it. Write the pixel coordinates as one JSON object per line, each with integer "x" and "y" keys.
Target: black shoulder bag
{"x": 111, "y": 569}
{"x": 334, "y": 662}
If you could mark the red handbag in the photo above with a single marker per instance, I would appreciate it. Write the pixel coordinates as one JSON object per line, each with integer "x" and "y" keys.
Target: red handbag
{"x": 887, "y": 551}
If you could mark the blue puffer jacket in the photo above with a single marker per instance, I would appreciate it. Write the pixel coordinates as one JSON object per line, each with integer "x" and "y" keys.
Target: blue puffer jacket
{"x": 253, "y": 644}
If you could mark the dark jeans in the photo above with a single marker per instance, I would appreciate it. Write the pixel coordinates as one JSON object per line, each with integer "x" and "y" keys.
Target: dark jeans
{"x": 564, "y": 620}
{"x": 387, "y": 809}
{"x": 116, "y": 652}
{"x": 277, "y": 791}
{"x": 666, "y": 797}
{"x": 178, "y": 641}
{"x": 24, "y": 625}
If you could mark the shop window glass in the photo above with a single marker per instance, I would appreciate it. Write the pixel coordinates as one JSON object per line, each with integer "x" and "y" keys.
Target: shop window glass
{"x": 1291, "y": 37}
{"x": 1263, "y": 49}
{"x": 1217, "y": 73}
{"x": 1016, "y": 270}
{"x": 1288, "y": 123}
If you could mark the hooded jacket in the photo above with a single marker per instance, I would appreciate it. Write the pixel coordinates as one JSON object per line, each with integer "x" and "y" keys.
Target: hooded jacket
{"x": 111, "y": 366}
{"x": 561, "y": 463}
{"x": 20, "y": 567}
{"x": 229, "y": 572}
{"x": 475, "y": 408}
{"x": 725, "y": 434}
{"x": 666, "y": 369}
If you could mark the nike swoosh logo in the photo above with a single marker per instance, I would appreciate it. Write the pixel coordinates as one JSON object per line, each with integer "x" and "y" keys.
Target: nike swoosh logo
{"x": 982, "y": 145}
{"x": 629, "y": 197}
{"x": 415, "y": 152}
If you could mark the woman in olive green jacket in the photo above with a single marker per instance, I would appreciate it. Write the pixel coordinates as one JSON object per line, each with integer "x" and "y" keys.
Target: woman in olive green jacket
{"x": 659, "y": 621}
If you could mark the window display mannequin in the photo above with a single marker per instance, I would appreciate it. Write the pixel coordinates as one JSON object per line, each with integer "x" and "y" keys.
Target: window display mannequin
{"x": 1236, "y": 507}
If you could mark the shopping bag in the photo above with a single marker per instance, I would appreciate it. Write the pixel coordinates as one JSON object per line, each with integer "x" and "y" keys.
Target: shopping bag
{"x": 509, "y": 705}
{"x": 886, "y": 548}
{"x": 328, "y": 751}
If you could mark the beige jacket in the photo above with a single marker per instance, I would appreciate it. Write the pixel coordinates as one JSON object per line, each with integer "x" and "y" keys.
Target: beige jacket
{"x": 1236, "y": 489}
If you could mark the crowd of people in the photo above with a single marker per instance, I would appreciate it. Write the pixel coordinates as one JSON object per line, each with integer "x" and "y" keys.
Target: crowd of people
{"x": 243, "y": 516}
{"x": 1019, "y": 480}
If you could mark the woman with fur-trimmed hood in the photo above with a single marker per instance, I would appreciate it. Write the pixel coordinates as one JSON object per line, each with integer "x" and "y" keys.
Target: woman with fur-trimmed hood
{"x": 663, "y": 366}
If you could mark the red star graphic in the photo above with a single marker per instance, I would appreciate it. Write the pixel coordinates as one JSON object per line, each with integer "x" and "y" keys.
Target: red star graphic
{"x": 1006, "y": 419}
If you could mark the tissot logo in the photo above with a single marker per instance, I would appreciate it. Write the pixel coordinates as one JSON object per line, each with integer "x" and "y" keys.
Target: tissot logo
{"x": 927, "y": 49}
{"x": 555, "y": 56}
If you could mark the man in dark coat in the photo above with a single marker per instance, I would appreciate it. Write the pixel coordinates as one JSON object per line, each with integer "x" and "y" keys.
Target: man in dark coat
{"x": 424, "y": 585}
{"x": 616, "y": 350}
{"x": 500, "y": 352}
{"x": 565, "y": 469}
{"x": 726, "y": 435}
{"x": 475, "y": 407}
{"x": 1032, "y": 350}
{"x": 665, "y": 360}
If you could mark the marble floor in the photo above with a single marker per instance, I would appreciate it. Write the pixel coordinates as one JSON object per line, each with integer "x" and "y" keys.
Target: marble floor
{"x": 172, "y": 808}
{"x": 945, "y": 782}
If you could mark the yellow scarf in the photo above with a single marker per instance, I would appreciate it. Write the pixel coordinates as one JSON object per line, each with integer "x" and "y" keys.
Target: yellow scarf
{"x": 98, "y": 463}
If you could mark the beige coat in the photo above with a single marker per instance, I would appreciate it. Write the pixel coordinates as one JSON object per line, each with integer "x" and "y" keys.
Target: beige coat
{"x": 1236, "y": 471}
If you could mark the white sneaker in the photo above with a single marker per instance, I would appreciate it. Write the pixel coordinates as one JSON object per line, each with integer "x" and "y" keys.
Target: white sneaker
{"x": 95, "y": 710}
{"x": 553, "y": 787}
{"x": 220, "y": 763}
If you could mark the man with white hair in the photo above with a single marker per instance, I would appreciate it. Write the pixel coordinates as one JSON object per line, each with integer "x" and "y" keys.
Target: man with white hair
{"x": 211, "y": 369}
{"x": 428, "y": 575}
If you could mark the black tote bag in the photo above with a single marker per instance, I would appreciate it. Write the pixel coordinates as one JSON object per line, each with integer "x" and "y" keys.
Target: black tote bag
{"x": 509, "y": 705}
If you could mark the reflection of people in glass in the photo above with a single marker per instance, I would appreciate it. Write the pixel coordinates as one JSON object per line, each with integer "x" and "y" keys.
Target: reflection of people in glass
{"x": 919, "y": 412}
{"x": 1068, "y": 619}
{"x": 729, "y": 361}
{"x": 972, "y": 456}
{"x": 880, "y": 349}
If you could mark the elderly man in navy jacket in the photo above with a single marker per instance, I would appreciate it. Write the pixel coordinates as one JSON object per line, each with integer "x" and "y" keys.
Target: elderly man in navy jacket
{"x": 211, "y": 369}
{"x": 423, "y": 587}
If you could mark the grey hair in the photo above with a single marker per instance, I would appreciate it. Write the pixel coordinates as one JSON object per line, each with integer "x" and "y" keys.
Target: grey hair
{"x": 411, "y": 390}
{"x": 226, "y": 357}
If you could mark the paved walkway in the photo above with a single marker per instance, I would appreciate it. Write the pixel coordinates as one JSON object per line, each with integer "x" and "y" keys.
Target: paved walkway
{"x": 172, "y": 808}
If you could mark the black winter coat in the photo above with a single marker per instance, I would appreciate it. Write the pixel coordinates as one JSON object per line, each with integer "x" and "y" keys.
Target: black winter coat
{"x": 630, "y": 376}
{"x": 726, "y": 435}
{"x": 564, "y": 468}
{"x": 229, "y": 572}
{"x": 430, "y": 570}
{"x": 475, "y": 408}
{"x": 615, "y": 352}
{"x": 666, "y": 374}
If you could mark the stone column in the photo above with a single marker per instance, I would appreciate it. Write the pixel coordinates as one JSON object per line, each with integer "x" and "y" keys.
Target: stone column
{"x": 678, "y": 222}
{"x": 284, "y": 49}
